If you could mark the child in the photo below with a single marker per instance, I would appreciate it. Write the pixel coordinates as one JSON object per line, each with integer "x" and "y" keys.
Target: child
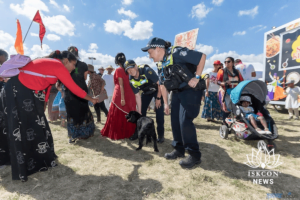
{"x": 291, "y": 101}
{"x": 249, "y": 111}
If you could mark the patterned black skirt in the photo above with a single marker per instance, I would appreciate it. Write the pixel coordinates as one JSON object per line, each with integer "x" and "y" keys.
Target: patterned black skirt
{"x": 25, "y": 137}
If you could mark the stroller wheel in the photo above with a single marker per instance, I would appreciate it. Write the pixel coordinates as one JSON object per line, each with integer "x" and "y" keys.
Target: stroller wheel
{"x": 261, "y": 144}
{"x": 224, "y": 132}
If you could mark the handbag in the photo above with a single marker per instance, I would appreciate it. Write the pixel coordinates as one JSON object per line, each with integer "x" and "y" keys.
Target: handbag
{"x": 55, "y": 105}
{"x": 102, "y": 96}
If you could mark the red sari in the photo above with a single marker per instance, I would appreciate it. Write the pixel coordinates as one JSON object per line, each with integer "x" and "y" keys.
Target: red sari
{"x": 116, "y": 126}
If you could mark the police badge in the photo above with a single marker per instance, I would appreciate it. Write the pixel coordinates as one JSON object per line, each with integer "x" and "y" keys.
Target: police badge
{"x": 183, "y": 53}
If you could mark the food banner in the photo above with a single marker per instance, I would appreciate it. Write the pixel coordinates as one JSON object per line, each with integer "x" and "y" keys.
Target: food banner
{"x": 282, "y": 58}
{"x": 187, "y": 39}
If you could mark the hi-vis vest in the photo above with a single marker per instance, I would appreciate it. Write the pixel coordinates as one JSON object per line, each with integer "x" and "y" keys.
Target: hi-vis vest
{"x": 142, "y": 82}
{"x": 169, "y": 61}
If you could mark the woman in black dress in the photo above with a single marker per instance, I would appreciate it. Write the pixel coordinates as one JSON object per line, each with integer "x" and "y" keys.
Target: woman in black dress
{"x": 80, "y": 119}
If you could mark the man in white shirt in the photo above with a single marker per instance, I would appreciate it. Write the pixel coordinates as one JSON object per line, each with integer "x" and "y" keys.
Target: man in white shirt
{"x": 110, "y": 85}
{"x": 247, "y": 71}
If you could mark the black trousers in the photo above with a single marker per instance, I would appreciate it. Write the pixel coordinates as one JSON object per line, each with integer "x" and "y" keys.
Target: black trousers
{"x": 98, "y": 107}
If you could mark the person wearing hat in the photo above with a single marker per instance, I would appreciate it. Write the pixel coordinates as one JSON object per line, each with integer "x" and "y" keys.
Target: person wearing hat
{"x": 110, "y": 85}
{"x": 79, "y": 117}
{"x": 123, "y": 101}
{"x": 185, "y": 102}
{"x": 144, "y": 78}
{"x": 247, "y": 71}
{"x": 211, "y": 108}
{"x": 245, "y": 101}
{"x": 292, "y": 100}
{"x": 101, "y": 71}
{"x": 97, "y": 86}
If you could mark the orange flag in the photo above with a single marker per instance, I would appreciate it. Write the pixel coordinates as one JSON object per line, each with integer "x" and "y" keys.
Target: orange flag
{"x": 19, "y": 42}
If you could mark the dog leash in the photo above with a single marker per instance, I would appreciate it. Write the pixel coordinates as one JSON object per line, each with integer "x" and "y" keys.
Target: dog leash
{"x": 120, "y": 108}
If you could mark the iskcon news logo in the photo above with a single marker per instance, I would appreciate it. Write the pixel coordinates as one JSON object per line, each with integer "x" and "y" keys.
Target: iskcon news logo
{"x": 265, "y": 159}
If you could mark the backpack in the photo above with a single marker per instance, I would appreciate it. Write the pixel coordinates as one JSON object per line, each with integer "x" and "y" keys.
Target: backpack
{"x": 11, "y": 67}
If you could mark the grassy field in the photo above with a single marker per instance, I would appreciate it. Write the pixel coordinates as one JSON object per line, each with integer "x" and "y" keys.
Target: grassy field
{"x": 99, "y": 168}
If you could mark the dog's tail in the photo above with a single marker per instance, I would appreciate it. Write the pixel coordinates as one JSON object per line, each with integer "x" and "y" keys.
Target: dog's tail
{"x": 148, "y": 139}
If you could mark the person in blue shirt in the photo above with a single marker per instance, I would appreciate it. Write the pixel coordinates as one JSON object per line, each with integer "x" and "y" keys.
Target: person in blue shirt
{"x": 186, "y": 101}
{"x": 144, "y": 78}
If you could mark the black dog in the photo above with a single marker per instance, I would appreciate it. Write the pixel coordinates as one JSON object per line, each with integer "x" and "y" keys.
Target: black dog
{"x": 144, "y": 128}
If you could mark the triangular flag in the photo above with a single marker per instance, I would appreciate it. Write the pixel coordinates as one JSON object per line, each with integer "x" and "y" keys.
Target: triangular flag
{"x": 19, "y": 42}
{"x": 37, "y": 18}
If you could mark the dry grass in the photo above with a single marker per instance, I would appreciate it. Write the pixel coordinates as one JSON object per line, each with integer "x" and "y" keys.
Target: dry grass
{"x": 99, "y": 168}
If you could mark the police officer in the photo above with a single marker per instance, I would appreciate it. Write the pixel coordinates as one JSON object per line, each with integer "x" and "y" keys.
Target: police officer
{"x": 185, "y": 102}
{"x": 144, "y": 78}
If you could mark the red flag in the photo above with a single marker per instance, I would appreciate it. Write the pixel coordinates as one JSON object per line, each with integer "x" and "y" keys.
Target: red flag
{"x": 18, "y": 42}
{"x": 37, "y": 18}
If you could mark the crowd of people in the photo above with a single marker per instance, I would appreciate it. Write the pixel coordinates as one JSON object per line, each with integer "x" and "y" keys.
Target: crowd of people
{"x": 59, "y": 81}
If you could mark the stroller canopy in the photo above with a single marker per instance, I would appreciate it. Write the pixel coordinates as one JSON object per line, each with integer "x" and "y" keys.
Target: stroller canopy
{"x": 255, "y": 87}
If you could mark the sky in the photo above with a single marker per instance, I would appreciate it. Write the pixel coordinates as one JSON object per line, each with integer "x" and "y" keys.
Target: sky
{"x": 103, "y": 28}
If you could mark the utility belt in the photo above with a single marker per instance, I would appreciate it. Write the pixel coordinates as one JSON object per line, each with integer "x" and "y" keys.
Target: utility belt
{"x": 176, "y": 79}
{"x": 149, "y": 88}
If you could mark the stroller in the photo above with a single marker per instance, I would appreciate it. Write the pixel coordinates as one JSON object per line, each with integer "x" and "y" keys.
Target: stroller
{"x": 237, "y": 123}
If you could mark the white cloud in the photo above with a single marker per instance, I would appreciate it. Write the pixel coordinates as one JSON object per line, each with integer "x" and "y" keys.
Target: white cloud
{"x": 217, "y": 2}
{"x": 200, "y": 11}
{"x": 1, "y": 1}
{"x": 118, "y": 28}
{"x": 251, "y": 12}
{"x": 258, "y": 28}
{"x": 59, "y": 24}
{"x": 6, "y": 40}
{"x": 145, "y": 60}
{"x": 66, "y": 8}
{"x": 128, "y": 13}
{"x": 285, "y": 6}
{"x": 127, "y": 2}
{"x": 101, "y": 59}
{"x": 254, "y": 27}
{"x": 54, "y": 3}
{"x": 252, "y": 58}
{"x": 29, "y": 8}
{"x": 91, "y": 26}
{"x": 53, "y": 37}
{"x": 37, "y": 52}
{"x": 93, "y": 48}
{"x": 239, "y": 33}
{"x": 34, "y": 34}
{"x": 204, "y": 48}
{"x": 140, "y": 31}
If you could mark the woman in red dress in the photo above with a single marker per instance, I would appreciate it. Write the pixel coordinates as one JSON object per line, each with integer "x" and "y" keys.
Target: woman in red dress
{"x": 123, "y": 101}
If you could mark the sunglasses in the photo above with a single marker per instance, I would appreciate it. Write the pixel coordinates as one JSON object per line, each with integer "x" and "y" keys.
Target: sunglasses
{"x": 227, "y": 61}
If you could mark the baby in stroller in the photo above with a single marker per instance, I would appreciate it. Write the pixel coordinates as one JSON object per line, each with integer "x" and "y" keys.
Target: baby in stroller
{"x": 252, "y": 117}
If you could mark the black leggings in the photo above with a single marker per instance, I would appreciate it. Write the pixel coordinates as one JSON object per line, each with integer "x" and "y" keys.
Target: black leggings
{"x": 101, "y": 106}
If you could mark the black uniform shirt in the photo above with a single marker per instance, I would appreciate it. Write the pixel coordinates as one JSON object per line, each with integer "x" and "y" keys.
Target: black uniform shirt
{"x": 146, "y": 75}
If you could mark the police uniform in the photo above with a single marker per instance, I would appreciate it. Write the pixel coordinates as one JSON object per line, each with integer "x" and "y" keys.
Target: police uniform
{"x": 147, "y": 83}
{"x": 186, "y": 101}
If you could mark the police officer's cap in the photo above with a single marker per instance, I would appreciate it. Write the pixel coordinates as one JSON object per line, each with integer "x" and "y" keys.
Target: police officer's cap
{"x": 129, "y": 64}
{"x": 154, "y": 42}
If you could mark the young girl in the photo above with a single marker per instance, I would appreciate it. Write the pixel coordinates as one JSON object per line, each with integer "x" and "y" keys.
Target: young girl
{"x": 252, "y": 117}
{"x": 291, "y": 101}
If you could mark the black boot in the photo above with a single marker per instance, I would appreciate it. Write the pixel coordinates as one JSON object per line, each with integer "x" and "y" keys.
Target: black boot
{"x": 160, "y": 139}
{"x": 189, "y": 162}
{"x": 98, "y": 117}
{"x": 173, "y": 155}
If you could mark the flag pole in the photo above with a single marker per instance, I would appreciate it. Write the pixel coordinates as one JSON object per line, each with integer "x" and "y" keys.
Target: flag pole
{"x": 28, "y": 30}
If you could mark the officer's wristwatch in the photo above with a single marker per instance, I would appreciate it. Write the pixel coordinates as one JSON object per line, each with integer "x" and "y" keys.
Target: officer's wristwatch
{"x": 158, "y": 98}
{"x": 197, "y": 77}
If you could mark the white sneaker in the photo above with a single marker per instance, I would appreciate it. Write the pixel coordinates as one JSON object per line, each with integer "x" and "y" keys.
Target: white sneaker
{"x": 291, "y": 117}
{"x": 268, "y": 132}
{"x": 296, "y": 118}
